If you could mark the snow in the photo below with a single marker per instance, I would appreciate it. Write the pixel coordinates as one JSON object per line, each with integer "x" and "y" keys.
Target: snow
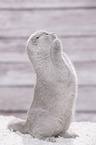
{"x": 85, "y": 130}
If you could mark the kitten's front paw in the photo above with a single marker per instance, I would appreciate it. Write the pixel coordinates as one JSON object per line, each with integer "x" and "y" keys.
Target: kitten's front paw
{"x": 57, "y": 44}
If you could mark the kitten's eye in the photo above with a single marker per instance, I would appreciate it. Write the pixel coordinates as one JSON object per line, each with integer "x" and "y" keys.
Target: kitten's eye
{"x": 37, "y": 37}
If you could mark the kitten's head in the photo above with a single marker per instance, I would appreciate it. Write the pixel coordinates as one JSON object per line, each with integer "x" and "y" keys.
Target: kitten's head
{"x": 39, "y": 46}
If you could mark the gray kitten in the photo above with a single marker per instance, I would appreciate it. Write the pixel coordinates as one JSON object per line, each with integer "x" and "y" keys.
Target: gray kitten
{"x": 52, "y": 109}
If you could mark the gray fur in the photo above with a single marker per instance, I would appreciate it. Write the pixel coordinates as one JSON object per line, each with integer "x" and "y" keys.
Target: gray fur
{"x": 52, "y": 108}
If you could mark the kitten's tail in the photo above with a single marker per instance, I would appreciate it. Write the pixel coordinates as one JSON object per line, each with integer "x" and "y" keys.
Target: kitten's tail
{"x": 18, "y": 126}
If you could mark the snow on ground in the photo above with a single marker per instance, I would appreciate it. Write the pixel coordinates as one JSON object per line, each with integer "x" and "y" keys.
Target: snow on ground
{"x": 85, "y": 130}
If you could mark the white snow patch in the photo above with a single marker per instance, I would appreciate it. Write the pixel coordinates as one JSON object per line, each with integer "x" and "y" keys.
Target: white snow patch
{"x": 85, "y": 130}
